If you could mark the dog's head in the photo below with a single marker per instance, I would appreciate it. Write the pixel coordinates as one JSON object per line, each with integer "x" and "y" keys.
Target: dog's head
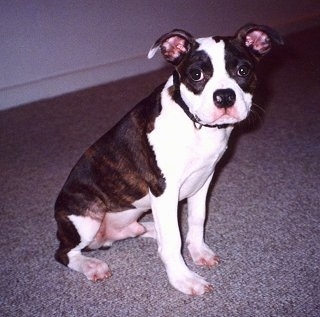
{"x": 214, "y": 77}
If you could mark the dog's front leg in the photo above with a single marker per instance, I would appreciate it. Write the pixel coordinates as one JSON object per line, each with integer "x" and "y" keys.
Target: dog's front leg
{"x": 164, "y": 210}
{"x": 199, "y": 250}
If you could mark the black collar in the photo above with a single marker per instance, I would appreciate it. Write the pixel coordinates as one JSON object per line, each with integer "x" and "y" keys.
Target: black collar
{"x": 178, "y": 99}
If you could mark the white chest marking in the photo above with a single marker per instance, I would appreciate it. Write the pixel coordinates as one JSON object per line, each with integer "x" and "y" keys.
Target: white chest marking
{"x": 185, "y": 155}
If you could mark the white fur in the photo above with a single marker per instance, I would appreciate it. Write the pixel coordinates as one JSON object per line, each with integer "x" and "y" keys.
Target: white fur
{"x": 96, "y": 233}
{"x": 93, "y": 269}
{"x": 86, "y": 227}
{"x": 187, "y": 158}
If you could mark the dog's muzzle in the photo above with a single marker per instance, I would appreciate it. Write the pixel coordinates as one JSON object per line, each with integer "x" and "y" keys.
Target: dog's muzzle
{"x": 225, "y": 97}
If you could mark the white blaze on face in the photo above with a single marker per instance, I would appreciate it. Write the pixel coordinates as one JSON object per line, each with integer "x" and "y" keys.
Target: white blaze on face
{"x": 202, "y": 105}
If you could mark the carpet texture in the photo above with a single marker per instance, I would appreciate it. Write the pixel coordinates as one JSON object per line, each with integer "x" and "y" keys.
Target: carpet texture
{"x": 263, "y": 208}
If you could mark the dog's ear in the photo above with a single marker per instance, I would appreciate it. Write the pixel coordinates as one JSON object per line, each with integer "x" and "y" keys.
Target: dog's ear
{"x": 258, "y": 39}
{"x": 173, "y": 45}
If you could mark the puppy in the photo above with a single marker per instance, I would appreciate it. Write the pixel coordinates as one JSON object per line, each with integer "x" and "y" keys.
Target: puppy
{"x": 163, "y": 151}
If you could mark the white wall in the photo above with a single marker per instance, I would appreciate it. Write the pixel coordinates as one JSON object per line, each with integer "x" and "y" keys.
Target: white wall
{"x": 49, "y": 47}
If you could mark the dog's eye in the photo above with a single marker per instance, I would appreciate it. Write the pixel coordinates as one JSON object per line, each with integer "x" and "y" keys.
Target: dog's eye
{"x": 196, "y": 74}
{"x": 243, "y": 71}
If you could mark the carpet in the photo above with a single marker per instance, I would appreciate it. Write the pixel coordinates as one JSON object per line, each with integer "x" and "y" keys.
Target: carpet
{"x": 263, "y": 208}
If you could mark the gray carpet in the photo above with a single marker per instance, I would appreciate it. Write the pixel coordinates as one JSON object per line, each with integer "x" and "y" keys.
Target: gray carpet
{"x": 263, "y": 215}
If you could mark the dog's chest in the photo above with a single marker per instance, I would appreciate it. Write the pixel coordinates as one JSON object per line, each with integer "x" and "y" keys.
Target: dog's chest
{"x": 185, "y": 155}
{"x": 198, "y": 165}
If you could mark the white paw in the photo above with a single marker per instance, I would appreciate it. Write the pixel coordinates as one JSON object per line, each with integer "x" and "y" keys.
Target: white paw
{"x": 191, "y": 284}
{"x": 203, "y": 256}
{"x": 94, "y": 269}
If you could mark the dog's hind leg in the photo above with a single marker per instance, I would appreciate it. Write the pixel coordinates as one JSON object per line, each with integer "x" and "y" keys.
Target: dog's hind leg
{"x": 75, "y": 233}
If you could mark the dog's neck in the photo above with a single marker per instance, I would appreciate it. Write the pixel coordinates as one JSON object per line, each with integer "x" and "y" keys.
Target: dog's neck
{"x": 178, "y": 99}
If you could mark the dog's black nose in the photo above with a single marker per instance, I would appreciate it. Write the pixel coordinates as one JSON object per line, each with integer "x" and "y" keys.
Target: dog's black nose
{"x": 224, "y": 98}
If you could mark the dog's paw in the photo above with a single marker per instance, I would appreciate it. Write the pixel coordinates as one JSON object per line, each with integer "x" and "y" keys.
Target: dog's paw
{"x": 94, "y": 269}
{"x": 191, "y": 284}
{"x": 203, "y": 256}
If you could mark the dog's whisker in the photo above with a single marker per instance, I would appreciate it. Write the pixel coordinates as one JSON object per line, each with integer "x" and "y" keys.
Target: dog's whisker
{"x": 254, "y": 104}
{"x": 256, "y": 114}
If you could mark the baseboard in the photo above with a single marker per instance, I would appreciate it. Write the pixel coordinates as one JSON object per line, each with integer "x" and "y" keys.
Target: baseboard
{"x": 68, "y": 82}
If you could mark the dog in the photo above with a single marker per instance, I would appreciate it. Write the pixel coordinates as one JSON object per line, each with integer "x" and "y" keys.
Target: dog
{"x": 163, "y": 151}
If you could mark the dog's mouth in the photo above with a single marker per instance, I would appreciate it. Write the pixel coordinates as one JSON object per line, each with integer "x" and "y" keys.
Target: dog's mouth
{"x": 221, "y": 119}
{"x": 230, "y": 115}
{"x": 226, "y": 119}
{"x": 221, "y": 122}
